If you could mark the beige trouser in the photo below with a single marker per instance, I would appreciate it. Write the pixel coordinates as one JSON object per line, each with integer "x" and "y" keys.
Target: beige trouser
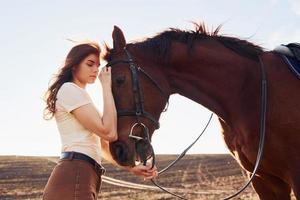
{"x": 73, "y": 180}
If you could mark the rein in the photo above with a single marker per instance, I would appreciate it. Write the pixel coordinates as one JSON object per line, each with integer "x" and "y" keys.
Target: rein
{"x": 140, "y": 112}
{"x": 263, "y": 112}
{"x": 179, "y": 158}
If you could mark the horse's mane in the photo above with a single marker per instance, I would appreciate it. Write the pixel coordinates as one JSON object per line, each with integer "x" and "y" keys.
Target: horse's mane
{"x": 159, "y": 45}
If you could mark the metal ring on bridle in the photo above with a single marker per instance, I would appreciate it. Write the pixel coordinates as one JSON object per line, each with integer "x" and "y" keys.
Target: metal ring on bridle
{"x": 138, "y": 137}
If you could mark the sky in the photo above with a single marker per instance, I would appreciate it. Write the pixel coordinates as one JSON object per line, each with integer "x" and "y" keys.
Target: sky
{"x": 33, "y": 45}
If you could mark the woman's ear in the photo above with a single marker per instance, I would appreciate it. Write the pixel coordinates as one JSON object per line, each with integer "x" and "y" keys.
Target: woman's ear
{"x": 119, "y": 41}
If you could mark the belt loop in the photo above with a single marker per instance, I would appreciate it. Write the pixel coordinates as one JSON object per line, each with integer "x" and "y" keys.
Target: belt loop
{"x": 72, "y": 153}
{"x": 99, "y": 169}
{"x": 103, "y": 170}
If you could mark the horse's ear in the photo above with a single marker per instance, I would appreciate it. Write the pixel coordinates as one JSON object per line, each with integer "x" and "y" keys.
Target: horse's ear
{"x": 119, "y": 41}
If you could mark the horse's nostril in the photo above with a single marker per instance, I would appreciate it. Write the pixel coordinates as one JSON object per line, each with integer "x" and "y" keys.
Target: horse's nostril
{"x": 120, "y": 152}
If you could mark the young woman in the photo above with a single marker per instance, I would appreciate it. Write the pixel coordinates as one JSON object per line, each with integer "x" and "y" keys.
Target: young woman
{"x": 82, "y": 128}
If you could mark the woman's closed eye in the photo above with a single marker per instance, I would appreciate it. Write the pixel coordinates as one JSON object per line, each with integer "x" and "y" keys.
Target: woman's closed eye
{"x": 90, "y": 63}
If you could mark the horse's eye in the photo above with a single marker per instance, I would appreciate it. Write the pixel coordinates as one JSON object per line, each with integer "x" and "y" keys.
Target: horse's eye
{"x": 120, "y": 80}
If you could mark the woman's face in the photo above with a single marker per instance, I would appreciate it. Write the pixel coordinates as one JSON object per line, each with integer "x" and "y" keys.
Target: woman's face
{"x": 87, "y": 70}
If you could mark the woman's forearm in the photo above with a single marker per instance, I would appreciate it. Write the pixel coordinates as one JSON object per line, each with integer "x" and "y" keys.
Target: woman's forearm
{"x": 109, "y": 118}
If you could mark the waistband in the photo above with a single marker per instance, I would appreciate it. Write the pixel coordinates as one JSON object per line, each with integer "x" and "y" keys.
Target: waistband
{"x": 72, "y": 155}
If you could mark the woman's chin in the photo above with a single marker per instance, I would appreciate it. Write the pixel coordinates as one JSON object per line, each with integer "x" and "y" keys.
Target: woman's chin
{"x": 91, "y": 81}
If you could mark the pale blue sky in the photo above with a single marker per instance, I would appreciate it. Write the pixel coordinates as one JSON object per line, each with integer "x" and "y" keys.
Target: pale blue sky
{"x": 33, "y": 45}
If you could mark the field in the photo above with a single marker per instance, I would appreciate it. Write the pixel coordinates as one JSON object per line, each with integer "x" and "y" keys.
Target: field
{"x": 196, "y": 177}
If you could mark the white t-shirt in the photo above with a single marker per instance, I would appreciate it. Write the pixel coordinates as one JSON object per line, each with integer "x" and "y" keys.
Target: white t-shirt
{"x": 74, "y": 137}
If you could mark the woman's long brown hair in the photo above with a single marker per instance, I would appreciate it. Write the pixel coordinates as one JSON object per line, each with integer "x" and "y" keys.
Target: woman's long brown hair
{"x": 74, "y": 57}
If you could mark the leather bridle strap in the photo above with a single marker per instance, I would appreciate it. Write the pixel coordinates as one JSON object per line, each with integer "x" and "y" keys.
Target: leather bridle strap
{"x": 130, "y": 60}
{"x": 179, "y": 158}
{"x": 262, "y": 131}
{"x": 137, "y": 91}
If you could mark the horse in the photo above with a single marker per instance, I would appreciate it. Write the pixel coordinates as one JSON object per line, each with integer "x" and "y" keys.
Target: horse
{"x": 223, "y": 74}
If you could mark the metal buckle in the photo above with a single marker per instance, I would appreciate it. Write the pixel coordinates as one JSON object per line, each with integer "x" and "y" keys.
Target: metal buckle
{"x": 71, "y": 155}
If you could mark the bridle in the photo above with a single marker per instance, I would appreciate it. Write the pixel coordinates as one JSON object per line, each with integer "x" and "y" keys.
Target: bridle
{"x": 140, "y": 112}
{"x": 138, "y": 92}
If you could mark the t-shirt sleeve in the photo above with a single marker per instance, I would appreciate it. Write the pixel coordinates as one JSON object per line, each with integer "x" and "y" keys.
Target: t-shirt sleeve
{"x": 71, "y": 97}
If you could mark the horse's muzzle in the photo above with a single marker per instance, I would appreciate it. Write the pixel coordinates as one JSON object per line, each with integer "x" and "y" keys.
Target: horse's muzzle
{"x": 122, "y": 154}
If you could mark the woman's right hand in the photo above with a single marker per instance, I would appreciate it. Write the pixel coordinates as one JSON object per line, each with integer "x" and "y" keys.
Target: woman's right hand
{"x": 105, "y": 76}
{"x": 145, "y": 171}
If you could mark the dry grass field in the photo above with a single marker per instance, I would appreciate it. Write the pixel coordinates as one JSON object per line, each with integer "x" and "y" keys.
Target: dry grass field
{"x": 205, "y": 177}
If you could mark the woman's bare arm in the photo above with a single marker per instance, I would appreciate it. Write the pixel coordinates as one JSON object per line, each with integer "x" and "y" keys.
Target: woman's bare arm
{"x": 104, "y": 126}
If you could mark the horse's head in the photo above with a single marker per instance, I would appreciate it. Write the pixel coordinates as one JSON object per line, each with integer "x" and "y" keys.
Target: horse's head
{"x": 140, "y": 92}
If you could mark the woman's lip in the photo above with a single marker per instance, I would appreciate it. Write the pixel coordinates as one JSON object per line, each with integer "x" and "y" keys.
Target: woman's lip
{"x": 93, "y": 76}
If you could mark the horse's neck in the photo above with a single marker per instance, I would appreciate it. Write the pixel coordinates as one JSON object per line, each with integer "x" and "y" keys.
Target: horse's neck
{"x": 217, "y": 78}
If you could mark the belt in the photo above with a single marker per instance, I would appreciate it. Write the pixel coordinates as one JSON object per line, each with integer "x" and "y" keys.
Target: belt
{"x": 70, "y": 155}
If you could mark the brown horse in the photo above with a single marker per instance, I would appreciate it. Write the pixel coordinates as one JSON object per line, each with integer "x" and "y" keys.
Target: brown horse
{"x": 224, "y": 75}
